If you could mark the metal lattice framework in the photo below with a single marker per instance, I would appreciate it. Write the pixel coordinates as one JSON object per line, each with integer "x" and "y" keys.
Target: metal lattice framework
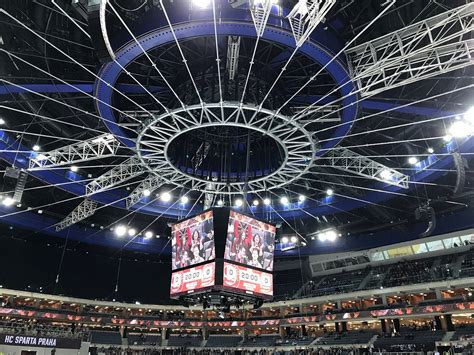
{"x": 127, "y": 170}
{"x": 233, "y": 50}
{"x": 99, "y": 147}
{"x": 419, "y": 51}
{"x": 297, "y": 143}
{"x": 150, "y": 184}
{"x": 85, "y": 209}
{"x": 347, "y": 160}
{"x": 260, "y": 11}
{"x": 306, "y": 15}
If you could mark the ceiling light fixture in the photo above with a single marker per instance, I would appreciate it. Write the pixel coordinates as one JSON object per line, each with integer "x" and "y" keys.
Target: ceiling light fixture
{"x": 165, "y": 197}
{"x": 120, "y": 230}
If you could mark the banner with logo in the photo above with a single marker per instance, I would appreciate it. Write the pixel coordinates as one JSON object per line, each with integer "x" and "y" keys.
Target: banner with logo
{"x": 193, "y": 279}
{"x": 39, "y": 341}
{"x": 248, "y": 280}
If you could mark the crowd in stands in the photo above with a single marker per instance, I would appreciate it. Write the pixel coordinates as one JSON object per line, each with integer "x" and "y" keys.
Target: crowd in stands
{"x": 43, "y": 329}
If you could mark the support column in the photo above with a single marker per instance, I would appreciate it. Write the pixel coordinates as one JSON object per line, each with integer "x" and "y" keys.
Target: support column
{"x": 449, "y": 323}
{"x": 396, "y": 325}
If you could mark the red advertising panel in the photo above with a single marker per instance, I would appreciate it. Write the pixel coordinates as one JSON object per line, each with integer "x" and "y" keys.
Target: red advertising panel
{"x": 193, "y": 279}
{"x": 248, "y": 280}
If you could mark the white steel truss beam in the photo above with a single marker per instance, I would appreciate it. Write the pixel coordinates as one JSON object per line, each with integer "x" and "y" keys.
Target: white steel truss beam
{"x": 306, "y": 15}
{"x": 424, "y": 65}
{"x": 260, "y": 11}
{"x": 127, "y": 170}
{"x": 233, "y": 50}
{"x": 150, "y": 184}
{"x": 102, "y": 146}
{"x": 85, "y": 209}
{"x": 347, "y": 160}
{"x": 419, "y": 51}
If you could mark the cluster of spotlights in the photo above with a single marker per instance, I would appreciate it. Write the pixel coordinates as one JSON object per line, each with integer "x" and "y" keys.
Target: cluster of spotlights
{"x": 329, "y": 235}
{"x": 286, "y": 240}
{"x": 284, "y": 200}
{"x": 123, "y": 230}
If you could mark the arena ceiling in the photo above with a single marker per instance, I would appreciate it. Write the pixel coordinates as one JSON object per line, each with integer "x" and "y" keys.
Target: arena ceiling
{"x": 344, "y": 115}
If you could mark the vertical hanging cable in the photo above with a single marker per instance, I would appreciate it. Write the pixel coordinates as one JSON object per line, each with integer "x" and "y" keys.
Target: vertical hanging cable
{"x": 247, "y": 163}
{"x": 118, "y": 275}
{"x": 62, "y": 259}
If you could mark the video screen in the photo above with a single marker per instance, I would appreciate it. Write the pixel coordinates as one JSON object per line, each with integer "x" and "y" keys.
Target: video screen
{"x": 192, "y": 279}
{"x": 250, "y": 242}
{"x": 248, "y": 280}
{"x": 192, "y": 241}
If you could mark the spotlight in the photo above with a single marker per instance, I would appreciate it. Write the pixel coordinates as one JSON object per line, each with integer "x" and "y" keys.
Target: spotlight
{"x": 284, "y": 200}
{"x": 460, "y": 129}
{"x": 120, "y": 230}
{"x": 184, "y": 199}
{"x": 36, "y": 147}
{"x": 284, "y": 240}
{"x": 165, "y": 197}
{"x": 148, "y": 235}
{"x": 412, "y": 160}
{"x": 469, "y": 115}
{"x": 41, "y": 157}
{"x": 266, "y": 201}
{"x": 8, "y": 201}
{"x": 201, "y": 3}
{"x": 294, "y": 239}
{"x": 329, "y": 192}
{"x": 74, "y": 169}
{"x": 239, "y": 202}
{"x": 220, "y": 203}
{"x": 302, "y": 198}
{"x": 386, "y": 174}
{"x": 132, "y": 232}
{"x": 40, "y": 211}
{"x": 448, "y": 138}
{"x": 322, "y": 237}
{"x": 430, "y": 150}
{"x": 146, "y": 193}
{"x": 331, "y": 235}
{"x": 2, "y": 121}
{"x": 255, "y": 202}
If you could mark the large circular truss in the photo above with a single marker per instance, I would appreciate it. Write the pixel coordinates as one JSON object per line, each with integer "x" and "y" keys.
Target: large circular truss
{"x": 298, "y": 147}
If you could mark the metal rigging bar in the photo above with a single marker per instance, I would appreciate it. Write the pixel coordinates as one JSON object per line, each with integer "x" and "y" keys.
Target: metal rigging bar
{"x": 128, "y": 169}
{"x": 260, "y": 11}
{"x": 85, "y": 209}
{"x": 100, "y": 147}
{"x": 233, "y": 50}
{"x": 427, "y": 64}
{"x": 370, "y": 60}
{"x": 347, "y": 160}
{"x": 150, "y": 184}
{"x": 306, "y": 16}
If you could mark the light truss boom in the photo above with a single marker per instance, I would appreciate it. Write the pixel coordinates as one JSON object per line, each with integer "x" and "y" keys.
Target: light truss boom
{"x": 85, "y": 209}
{"x": 260, "y": 11}
{"x": 419, "y": 51}
{"x": 306, "y": 16}
{"x": 102, "y": 146}
{"x": 127, "y": 170}
{"x": 150, "y": 184}
{"x": 347, "y": 160}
